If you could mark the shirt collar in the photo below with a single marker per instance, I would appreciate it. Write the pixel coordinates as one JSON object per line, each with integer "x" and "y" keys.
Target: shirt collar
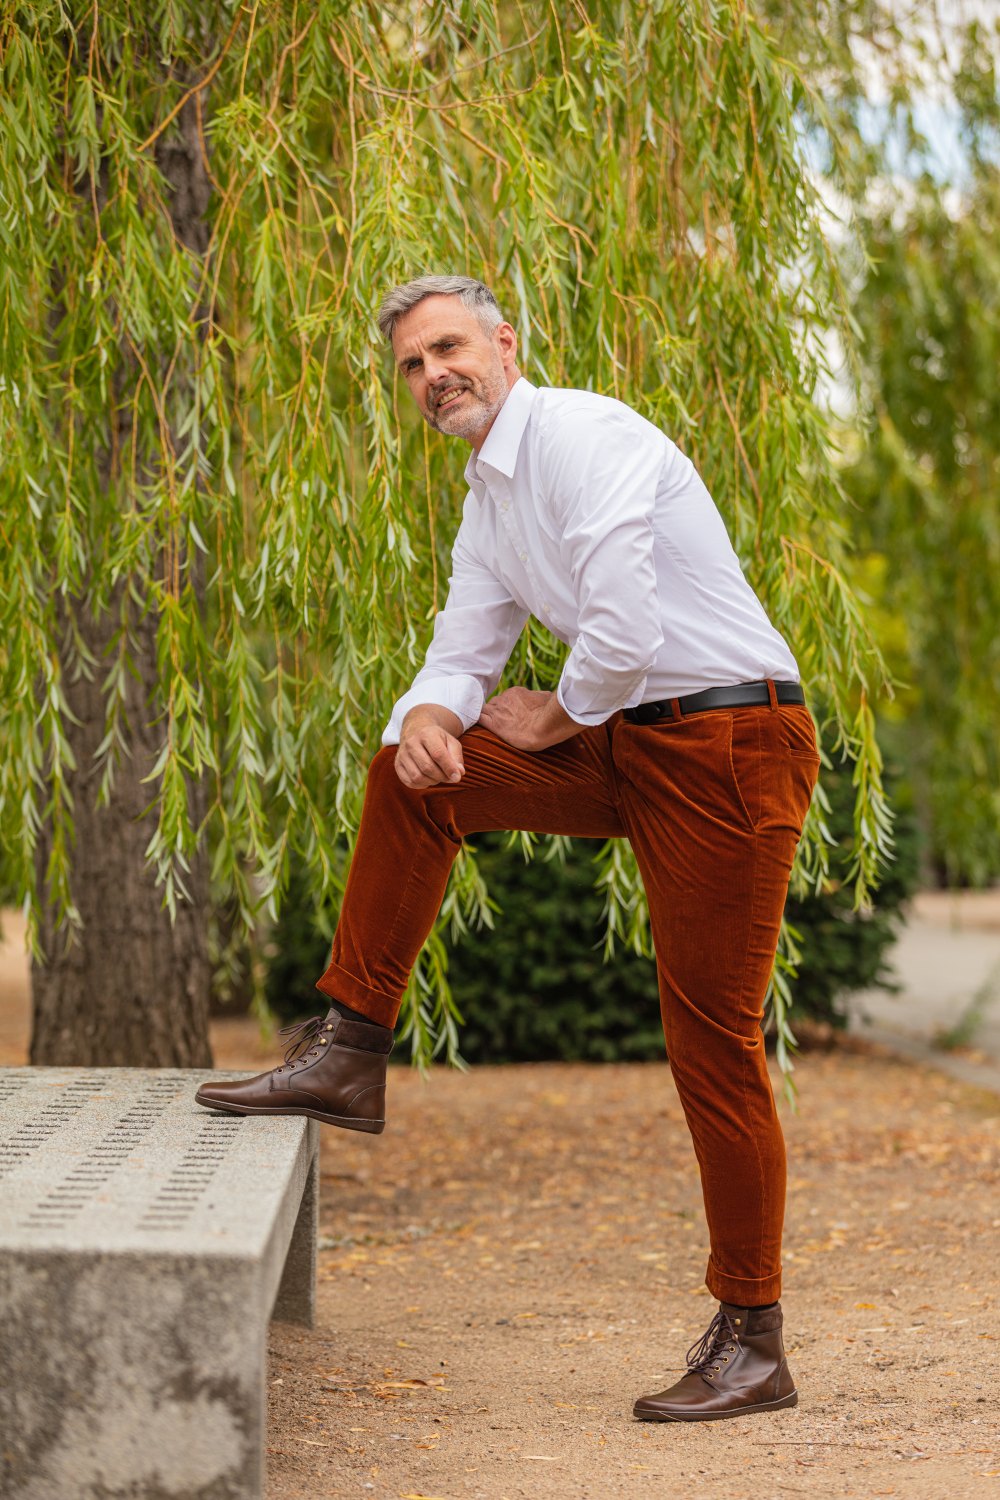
{"x": 504, "y": 438}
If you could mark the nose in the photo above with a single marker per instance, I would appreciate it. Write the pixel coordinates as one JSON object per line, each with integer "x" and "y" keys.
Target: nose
{"x": 435, "y": 369}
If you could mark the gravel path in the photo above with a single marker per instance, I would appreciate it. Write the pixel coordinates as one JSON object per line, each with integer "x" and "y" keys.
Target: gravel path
{"x": 947, "y": 960}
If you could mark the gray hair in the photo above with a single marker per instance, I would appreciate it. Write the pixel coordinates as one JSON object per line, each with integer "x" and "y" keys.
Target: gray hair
{"x": 475, "y": 294}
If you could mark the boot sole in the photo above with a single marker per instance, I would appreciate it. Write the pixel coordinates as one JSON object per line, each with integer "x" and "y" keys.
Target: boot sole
{"x": 718, "y": 1416}
{"x": 370, "y": 1127}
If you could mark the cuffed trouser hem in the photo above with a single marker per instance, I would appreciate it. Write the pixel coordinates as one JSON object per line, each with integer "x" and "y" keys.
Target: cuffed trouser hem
{"x": 340, "y": 985}
{"x": 743, "y": 1291}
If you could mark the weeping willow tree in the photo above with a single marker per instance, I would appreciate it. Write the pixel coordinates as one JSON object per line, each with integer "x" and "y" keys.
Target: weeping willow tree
{"x": 225, "y": 531}
{"x": 911, "y": 134}
{"x": 929, "y": 484}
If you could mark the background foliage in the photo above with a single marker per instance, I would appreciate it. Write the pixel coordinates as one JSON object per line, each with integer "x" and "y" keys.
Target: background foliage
{"x": 632, "y": 180}
{"x": 928, "y": 484}
{"x": 913, "y": 145}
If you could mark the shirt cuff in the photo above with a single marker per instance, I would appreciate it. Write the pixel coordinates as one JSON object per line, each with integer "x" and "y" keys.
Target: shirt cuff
{"x": 462, "y": 695}
{"x": 591, "y": 716}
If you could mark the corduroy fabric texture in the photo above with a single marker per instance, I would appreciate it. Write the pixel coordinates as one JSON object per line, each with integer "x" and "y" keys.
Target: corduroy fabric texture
{"x": 713, "y": 805}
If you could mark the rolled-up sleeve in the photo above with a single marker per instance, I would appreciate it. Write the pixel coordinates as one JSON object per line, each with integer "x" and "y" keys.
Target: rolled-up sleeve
{"x": 601, "y": 477}
{"x": 474, "y": 635}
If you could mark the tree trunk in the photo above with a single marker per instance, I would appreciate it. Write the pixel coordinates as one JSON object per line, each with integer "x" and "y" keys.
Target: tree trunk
{"x": 131, "y": 988}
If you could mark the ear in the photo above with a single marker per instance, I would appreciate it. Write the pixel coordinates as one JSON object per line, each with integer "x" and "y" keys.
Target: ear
{"x": 506, "y": 338}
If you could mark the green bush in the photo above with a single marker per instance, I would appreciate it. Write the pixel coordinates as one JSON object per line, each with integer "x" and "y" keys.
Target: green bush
{"x": 536, "y": 986}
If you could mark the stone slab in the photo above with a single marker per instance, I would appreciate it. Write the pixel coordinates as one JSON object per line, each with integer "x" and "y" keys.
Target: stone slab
{"x": 144, "y": 1243}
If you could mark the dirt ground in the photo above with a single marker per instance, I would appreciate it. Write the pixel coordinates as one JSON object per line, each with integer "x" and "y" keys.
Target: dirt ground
{"x": 522, "y": 1253}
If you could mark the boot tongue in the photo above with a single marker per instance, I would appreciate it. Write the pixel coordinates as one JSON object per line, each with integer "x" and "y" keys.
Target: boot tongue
{"x": 303, "y": 1036}
{"x": 718, "y": 1333}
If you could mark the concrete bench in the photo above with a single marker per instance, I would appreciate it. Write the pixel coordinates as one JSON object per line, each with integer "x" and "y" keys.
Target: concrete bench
{"x": 144, "y": 1245}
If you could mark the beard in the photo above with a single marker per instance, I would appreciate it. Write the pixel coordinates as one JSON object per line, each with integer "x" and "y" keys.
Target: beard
{"x": 477, "y": 406}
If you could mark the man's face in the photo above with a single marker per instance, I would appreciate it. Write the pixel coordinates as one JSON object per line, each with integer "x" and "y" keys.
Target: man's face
{"x": 458, "y": 374}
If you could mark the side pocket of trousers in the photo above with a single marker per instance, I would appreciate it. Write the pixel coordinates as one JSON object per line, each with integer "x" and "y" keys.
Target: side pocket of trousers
{"x": 746, "y": 755}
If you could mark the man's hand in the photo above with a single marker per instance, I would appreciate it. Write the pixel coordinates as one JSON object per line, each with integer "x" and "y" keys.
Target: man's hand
{"x": 429, "y": 752}
{"x": 528, "y": 720}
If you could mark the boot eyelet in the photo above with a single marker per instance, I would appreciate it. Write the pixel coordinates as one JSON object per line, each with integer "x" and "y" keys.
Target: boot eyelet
{"x": 322, "y": 1041}
{"x": 725, "y": 1359}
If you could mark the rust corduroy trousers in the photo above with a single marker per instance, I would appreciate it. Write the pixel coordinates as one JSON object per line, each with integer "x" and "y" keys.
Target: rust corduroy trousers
{"x": 713, "y": 806}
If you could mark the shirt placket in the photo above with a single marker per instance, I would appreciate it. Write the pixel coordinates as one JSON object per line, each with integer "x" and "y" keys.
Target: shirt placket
{"x": 504, "y": 501}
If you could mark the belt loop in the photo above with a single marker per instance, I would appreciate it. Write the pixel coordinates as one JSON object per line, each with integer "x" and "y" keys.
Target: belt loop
{"x": 772, "y": 694}
{"x": 675, "y": 708}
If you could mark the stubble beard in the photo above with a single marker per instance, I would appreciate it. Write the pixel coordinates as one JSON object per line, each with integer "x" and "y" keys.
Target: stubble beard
{"x": 480, "y": 404}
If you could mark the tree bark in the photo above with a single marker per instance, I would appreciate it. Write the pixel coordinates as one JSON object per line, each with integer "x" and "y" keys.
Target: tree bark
{"x": 131, "y": 988}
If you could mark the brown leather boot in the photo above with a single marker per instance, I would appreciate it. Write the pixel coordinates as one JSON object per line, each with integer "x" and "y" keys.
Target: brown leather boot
{"x": 738, "y": 1366}
{"x": 339, "y": 1078}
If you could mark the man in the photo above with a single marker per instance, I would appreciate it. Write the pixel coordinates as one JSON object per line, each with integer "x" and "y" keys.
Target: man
{"x": 678, "y": 723}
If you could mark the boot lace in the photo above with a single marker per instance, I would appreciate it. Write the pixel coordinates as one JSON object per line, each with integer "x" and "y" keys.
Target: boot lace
{"x": 718, "y": 1341}
{"x": 305, "y": 1037}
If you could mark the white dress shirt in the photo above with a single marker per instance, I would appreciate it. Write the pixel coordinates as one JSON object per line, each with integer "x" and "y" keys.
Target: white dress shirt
{"x": 585, "y": 515}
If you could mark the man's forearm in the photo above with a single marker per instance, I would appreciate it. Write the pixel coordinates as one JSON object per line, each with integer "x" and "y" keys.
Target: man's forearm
{"x": 553, "y": 724}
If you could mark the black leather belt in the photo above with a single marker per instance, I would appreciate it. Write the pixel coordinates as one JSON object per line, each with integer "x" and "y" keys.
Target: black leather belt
{"x": 740, "y": 695}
